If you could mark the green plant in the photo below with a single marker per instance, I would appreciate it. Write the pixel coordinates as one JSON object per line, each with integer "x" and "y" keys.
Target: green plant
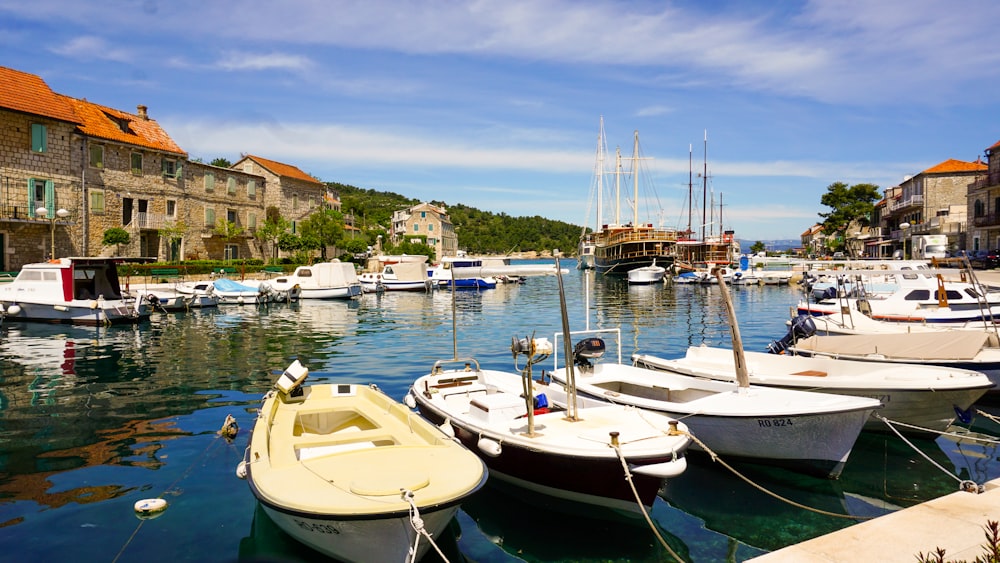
{"x": 991, "y": 549}
{"x": 116, "y": 236}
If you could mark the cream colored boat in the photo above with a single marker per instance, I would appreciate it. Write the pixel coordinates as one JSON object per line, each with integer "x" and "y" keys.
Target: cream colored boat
{"x": 348, "y": 471}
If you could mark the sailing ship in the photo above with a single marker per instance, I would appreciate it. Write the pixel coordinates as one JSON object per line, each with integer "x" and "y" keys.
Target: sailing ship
{"x": 619, "y": 248}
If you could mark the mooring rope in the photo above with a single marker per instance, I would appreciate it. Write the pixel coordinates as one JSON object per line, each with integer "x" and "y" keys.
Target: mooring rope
{"x": 418, "y": 526}
{"x": 165, "y": 491}
{"x": 965, "y": 485}
{"x": 642, "y": 508}
{"x": 988, "y": 415}
{"x": 715, "y": 457}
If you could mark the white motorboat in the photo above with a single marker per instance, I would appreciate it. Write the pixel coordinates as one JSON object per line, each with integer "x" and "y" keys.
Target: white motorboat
{"x": 539, "y": 444}
{"x": 976, "y": 351}
{"x": 750, "y": 422}
{"x": 926, "y": 397}
{"x": 169, "y": 299}
{"x": 647, "y": 274}
{"x": 323, "y": 280}
{"x": 70, "y": 290}
{"x": 353, "y": 474}
{"x": 922, "y": 295}
{"x": 229, "y": 292}
{"x": 403, "y": 276}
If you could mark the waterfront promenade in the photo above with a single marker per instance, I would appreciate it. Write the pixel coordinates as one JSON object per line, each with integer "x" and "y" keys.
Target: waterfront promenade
{"x": 954, "y": 522}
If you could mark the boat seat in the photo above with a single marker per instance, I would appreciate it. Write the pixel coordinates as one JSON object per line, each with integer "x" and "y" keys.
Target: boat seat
{"x": 497, "y": 408}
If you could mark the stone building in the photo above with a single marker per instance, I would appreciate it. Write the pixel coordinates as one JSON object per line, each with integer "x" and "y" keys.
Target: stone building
{"x": 71, "y": 169}
{"x": 426, "y": 223}
{"x": 932, "y": 203}
{"x": 983, "y": 205}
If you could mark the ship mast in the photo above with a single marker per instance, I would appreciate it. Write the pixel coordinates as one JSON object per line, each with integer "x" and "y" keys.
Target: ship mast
{"x": 704, "y": 190}
{"x": 635, "y": 182}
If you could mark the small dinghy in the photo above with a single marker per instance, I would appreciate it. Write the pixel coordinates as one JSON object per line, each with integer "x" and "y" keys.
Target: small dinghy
{"x": 348, "y": 471}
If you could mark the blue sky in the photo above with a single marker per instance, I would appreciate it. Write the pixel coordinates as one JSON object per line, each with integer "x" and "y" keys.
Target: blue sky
{"x": 496, "y": 104}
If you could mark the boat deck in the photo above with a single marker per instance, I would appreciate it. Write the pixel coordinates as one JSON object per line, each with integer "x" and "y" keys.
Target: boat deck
{"x": 953, "y": 522}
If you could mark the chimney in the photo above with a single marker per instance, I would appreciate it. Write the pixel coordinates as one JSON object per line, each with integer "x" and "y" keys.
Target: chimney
{"x": 142, "y": 112}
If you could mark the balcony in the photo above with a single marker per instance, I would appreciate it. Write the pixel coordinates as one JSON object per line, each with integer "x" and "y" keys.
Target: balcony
{"x": 988, "y": 220}
{"x": 912, "y": 201}
{"x": 989, "y": 180}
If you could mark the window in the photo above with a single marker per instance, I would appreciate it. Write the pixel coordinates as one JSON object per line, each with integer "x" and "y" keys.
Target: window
{"x": 97, "y": 201}
{"x": 416, "y": 227}
{"x": 41, "y": 193}
{"x": 423, "y": 214}
{"x": 232, "y": 252}
{"x": 232, "y": 217}
{"x": 39, "y": 138}
{"x": 209, "y": 217}
{"x": 295, "y": 201}
{"x": 248, "y": 167}
{"x": 171, "y": 208}
{"x": 251, "y": 188}
{"x": 312, "y": 202}
{"x": 169, "y": 168}
{"x": 252, "y": 221}
{"x": 231, "y": 185}
{"x": 97, "y": 156}
{"x": 430, "y": 228}
{"x": 209, "y": 181}
{"x": 137, "y": 163}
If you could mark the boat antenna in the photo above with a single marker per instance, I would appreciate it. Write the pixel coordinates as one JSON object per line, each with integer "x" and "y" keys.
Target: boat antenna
{"x": 571, "y": 406}
{"x": 742, "y": 378}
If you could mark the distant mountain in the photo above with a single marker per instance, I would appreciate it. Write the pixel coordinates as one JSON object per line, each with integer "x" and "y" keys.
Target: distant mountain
{"x": 771, "y": 245}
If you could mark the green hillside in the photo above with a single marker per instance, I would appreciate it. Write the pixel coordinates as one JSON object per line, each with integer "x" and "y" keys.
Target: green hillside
{"x": 479, "y": 232}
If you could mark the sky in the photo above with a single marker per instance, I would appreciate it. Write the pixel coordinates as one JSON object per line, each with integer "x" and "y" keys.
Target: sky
{"x": 498, "y": 104}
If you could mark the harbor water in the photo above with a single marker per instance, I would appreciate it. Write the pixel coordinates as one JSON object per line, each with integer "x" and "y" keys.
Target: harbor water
{"x": 94, "y": 419}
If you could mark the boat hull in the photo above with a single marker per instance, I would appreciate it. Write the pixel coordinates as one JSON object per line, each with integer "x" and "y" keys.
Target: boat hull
{"x": 70, "y": 312}
{"x": 367, "y": 539}
{"x": 927, "y": 407}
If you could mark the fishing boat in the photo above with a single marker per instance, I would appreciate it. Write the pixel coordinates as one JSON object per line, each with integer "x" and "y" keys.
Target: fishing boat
{"x": 71, "y": 290}
{"x": 733, "y": 419}
{"x": 403, "y": 276}
{"x": 353, "y": 474}
{"x": 619, "y": 247}
{"x": 976, "y": 351}
{"x": 544, "y": 437}
{"x": 323, "y": 280}
{"x": 647, "y": 274}
{"x": 534, "y": 441}
{"x": 925, "y": 398}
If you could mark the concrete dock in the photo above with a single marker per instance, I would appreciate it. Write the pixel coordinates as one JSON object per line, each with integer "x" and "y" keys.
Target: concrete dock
{"x": 954, "y": 522}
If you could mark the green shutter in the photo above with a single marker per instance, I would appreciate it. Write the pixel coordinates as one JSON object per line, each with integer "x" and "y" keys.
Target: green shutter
{"x": 39, "y": 138}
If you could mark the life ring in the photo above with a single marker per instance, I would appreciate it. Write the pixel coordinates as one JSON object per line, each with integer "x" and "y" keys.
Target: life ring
{"x": 149, "y": 507}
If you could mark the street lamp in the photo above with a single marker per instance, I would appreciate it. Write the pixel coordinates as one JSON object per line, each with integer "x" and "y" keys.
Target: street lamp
{"x": 904, "y": 227}
{"x": 61, "y": 214}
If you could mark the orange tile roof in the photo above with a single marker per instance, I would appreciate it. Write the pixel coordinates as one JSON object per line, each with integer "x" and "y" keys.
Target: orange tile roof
{"x": 994, "y": 147}
{"x": 115, "y": 125}
{"x": 286, "y": 170}
{"x": 952, "y": 165}
{"x": 28, "y": 93}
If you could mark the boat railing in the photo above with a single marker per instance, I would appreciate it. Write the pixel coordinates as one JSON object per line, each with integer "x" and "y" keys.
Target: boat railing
{"x": 437, "y": 369}
{"x": 641, "y": 235}
{"x": 616, "y": 332}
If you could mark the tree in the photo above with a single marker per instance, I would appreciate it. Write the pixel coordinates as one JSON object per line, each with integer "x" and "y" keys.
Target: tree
{"x": 116, "y": 236}
{"x": 221, "y": 163}
{"x": 274, "y": 226}
{"x": 322, "y": 229}
{"x": 228, "y": 230}
{"x": 758, "y": 247}
{"x": 854, "y": 203}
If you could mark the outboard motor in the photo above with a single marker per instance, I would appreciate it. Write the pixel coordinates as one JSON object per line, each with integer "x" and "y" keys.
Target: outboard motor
{"x": 801, "y": 327}
{"x": 586, "y": 350}
{"x": 828, "y": 293}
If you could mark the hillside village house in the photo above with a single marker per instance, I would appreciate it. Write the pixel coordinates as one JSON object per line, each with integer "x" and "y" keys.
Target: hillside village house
{"x": 426, "y": 223}
{"x": 71, "y": 169}
{"x": 984, "y": 204}
{"x": 814, "y": 241}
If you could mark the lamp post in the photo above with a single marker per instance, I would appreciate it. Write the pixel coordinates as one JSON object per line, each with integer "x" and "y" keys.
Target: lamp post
{"x": 904, "y": 227}
{"x": 61, "y": 214}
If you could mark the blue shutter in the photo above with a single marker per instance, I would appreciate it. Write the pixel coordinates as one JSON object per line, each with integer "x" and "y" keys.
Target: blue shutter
{"x": 39, "y": 138}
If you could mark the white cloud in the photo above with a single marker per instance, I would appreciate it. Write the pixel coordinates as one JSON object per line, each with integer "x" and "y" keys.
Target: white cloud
{"x": 89, "y": 47}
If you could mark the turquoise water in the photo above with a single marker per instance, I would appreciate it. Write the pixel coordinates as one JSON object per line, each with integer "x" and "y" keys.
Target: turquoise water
{"x": 92, "y": 420}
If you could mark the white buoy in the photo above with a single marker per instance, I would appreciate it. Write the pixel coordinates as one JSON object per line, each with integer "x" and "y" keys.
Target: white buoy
{"x": 150, "y": 506}
{"x": 447, "y": 428}
{"x": 489, "y": 447}
{"x": 13, "y": 310}
{"x": 241, "y": 470}
{"x": 409, "y": 401}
